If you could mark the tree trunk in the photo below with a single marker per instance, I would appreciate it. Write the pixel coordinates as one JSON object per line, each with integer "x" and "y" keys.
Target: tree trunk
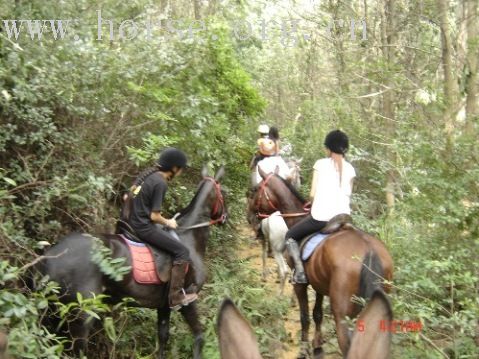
{"x": 196, "y": 6}
{"x": 450, "y": 83}
{"x": 387, "y": 39}
{"x": 472, "y": 29}
{"x": 212, "y": 7}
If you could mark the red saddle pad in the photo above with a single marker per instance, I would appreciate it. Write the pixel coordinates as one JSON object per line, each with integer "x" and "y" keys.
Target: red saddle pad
{"x": 143, "y": 263}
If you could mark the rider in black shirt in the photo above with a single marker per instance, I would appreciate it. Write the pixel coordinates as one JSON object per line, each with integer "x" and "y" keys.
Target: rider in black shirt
{"x": 148, "y": 192}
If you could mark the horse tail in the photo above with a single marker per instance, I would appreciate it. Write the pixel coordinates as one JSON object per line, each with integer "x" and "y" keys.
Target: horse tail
{"x": 372, "y": 274}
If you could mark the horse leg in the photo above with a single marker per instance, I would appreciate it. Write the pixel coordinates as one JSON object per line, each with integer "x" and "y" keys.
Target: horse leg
{"x": 282, "y": 270}
{"x": 264, "y": 243}
{"x": 81, "y": 323}
{"x": 79, "y": 329}
{"x": 301, "y": 291}
{"x": 318, "y": 318}
{"x": 190, "y": 314}
{"x": 341, "y": 306}
{"x": 163, "y": 330}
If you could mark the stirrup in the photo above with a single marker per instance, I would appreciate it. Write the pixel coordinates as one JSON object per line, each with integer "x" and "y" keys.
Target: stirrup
{"x": 187, "y": 299}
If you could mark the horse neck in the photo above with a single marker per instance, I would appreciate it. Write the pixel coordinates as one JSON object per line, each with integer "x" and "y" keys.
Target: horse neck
{"x": 199, "y": 213}
{"x": 288, "y": 202}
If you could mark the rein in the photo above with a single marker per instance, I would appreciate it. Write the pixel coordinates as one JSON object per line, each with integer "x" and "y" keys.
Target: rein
{"x": 262, "y": 191}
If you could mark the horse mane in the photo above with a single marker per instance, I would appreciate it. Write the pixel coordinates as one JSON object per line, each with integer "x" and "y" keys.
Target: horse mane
{"x": 293, "y": 190}
{"x": 192, "y": 203}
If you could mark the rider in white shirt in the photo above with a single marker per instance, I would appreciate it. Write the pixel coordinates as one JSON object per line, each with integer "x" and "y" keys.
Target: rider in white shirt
{"x": 269, "y": 165}
{"x": 330, "y": 192}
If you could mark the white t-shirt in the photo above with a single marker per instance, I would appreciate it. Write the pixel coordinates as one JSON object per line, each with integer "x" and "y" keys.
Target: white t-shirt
{"x": 268, "y": 165}
{"x": 331, "y": 197}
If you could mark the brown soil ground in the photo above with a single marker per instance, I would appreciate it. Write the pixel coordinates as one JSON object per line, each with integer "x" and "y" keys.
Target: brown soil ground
{"x": 252, "y": 252}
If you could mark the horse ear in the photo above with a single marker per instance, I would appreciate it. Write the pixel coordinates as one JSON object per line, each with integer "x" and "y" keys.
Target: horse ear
{"x": 204, "y": 171}
{"x": 236, "y": 338}
{"x": 369, "y": 339}
{"x": 276, "y": 170}
{"x": 220, "y": 173}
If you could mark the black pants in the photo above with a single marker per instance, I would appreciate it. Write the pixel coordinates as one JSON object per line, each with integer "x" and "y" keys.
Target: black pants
{"x": 162, "y": 240}
{"x": 307, "y": 226}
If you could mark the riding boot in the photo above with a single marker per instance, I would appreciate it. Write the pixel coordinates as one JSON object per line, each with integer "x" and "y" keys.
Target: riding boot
{"x": 299, "y": 276}
{"x": 177, "y": 296}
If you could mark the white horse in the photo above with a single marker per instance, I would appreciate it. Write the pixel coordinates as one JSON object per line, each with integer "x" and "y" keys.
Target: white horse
{"x": 274, "y": 230}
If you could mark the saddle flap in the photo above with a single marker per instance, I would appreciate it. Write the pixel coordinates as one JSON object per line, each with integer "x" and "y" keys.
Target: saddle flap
{"x": 163, "y": 264}
{"x": 310, "y": 243}
{"x": 150, "y": 266}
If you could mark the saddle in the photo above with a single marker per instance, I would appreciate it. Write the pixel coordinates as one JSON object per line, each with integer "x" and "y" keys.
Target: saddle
{"x": 149, "y": 265}
{"x": 311, "y": 242}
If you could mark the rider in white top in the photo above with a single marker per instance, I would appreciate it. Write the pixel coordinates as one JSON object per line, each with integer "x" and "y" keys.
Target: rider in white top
{"x": 269, "y": 165}
{"x": 330, "y": 192}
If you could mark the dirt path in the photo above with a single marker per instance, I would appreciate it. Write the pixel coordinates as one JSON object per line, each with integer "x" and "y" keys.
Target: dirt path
{"x": 252, "y": 251}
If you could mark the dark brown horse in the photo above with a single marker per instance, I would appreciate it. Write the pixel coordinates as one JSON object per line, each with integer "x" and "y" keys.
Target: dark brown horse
{"x": 349, "y": 262}
{"x": 237, "y": 340}
{"x": 69, "y": 264}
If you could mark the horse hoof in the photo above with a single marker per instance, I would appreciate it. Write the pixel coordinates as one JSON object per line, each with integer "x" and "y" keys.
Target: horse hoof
{"x": 318, "y": 353}
{"x": 305, "y": 351}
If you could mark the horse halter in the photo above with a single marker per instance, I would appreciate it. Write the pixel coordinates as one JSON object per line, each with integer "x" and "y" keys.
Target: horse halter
{"x": 219, "y": 205}
{"x": 263, "y": 192}
{"x": 217, "y": 214}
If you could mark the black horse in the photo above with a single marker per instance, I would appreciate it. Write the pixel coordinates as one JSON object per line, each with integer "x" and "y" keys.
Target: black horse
{"x": 69, "y": 264}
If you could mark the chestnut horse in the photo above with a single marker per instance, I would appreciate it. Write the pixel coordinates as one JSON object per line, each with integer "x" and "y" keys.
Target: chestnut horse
{"x": 349, "y": 262}
{"x": 69, "y": 264}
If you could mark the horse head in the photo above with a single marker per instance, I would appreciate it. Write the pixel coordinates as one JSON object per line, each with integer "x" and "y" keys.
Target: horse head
{"x": 295, "y": 172}
{"x": 237, "y": 340}
{"x": 3, "y": 345}
{"x": 275, "y": 194}
{"x": 213, "y": 195}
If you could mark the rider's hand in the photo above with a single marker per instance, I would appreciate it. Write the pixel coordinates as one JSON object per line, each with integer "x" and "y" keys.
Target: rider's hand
{"x": 171, "y": 223}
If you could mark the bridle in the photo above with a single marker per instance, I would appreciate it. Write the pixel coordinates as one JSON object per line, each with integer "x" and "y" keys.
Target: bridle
{"x": 218, "y": 212}
{"x": 264, "y": 193}
{"x": 219, "y": 209}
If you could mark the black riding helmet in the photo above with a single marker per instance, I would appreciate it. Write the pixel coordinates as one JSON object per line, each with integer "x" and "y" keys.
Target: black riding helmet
{"x": 337, "y": 141}
{"x": 172, "y": 157}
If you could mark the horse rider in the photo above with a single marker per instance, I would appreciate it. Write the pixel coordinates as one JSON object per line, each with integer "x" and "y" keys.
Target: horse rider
{"x": 268, "y": 156}
{"x": 269, "y": 160}
{"x": 148, "y": 193}
{"x": 331, "y": 189}
{"x": 265, "y": 145}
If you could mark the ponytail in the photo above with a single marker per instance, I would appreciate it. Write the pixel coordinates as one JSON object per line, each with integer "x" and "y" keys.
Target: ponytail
{"x": 127, "y": 203}
{"x": 142, "y": 176}
{"x": 338, "y": 163}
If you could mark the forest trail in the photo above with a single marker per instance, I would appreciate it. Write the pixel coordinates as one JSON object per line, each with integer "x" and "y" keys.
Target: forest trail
{"x": 251, "y": 251}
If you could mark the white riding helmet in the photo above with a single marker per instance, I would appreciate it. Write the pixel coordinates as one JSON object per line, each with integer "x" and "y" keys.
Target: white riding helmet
{"x": 263, "y": 129}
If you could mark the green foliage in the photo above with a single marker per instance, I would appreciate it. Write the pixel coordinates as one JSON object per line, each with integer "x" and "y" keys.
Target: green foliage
{"x": 234, "y": 278}
{"x": 20, "y": 313}
{"x": 101, "y": 255}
